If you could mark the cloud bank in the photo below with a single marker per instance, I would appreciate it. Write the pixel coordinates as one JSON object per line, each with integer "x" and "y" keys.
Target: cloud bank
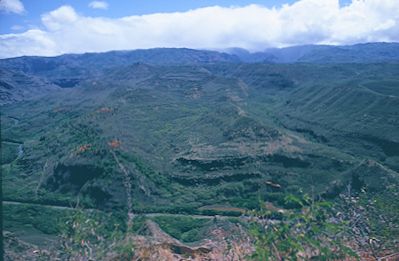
{"x": 12, "y": 6}
{"x": 252, "y": 27}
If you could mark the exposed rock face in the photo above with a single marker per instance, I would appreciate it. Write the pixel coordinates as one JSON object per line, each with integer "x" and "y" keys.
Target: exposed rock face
{"x": 225, "y": 242}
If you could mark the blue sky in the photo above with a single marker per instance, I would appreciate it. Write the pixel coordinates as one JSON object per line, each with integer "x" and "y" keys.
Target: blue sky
{"x": 52, "y": 27}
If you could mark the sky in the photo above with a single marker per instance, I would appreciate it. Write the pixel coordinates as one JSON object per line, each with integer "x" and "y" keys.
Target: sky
{"x": 54, "y": 27}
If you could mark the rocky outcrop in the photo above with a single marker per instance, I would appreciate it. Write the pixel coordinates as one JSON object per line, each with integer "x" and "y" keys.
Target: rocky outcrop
{"x": 226, "y": 241}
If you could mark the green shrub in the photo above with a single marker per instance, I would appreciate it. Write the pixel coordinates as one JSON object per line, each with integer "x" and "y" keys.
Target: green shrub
{"x": 302, "y": 234}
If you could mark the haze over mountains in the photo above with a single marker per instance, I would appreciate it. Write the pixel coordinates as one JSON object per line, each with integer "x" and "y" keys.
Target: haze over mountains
{"x": 195, "y": 132}
{"x": 359, "y": 53}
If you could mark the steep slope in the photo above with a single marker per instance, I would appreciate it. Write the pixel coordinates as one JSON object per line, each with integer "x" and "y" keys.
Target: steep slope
{"x": 17, "y": 86}
{"x": 191, "y": 136}
{"x": 204, "y": 138}
{"x": 361, "y": 113}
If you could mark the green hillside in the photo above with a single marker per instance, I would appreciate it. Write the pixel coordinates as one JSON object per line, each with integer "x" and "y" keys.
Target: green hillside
{"x": 196, "y": 139}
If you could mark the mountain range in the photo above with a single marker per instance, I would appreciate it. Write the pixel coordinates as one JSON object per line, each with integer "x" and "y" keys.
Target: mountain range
{"x": 195, "y": 132}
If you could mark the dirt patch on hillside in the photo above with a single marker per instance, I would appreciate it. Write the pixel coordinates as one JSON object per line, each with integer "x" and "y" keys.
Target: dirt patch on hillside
{"x": 225, "y": 242}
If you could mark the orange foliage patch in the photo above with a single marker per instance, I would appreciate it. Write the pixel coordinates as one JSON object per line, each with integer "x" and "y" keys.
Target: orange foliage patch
{"x": 114, "y": 143}
{"x": 83, "y": 148}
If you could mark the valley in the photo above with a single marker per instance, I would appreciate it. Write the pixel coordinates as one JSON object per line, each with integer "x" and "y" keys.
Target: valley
{"x": 194, "y": 141}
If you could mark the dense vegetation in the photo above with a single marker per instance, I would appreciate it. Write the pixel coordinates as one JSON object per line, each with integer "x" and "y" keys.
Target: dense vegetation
{"x": 310, "y": 231}
{"x": 198, "y": 133}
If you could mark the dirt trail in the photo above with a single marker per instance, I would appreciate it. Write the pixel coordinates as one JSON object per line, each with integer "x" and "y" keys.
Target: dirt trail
{"x": 7, "y": 202}
{"x": 128, "y": 187}
{"x": 149, "y": 215}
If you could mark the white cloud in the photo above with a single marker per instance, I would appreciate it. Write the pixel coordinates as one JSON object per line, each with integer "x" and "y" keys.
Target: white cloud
{"x": 12, "y": 6}
{"x": 31, "y": 42}
{"x": 59, "y": 18}
{"x": 98, "y": 5}
{"x": 252, "y": 27}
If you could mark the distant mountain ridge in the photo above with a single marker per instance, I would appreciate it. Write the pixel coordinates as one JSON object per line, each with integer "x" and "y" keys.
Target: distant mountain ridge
{"x": 359, "y": 53}
{"x": 70, "y": 70}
